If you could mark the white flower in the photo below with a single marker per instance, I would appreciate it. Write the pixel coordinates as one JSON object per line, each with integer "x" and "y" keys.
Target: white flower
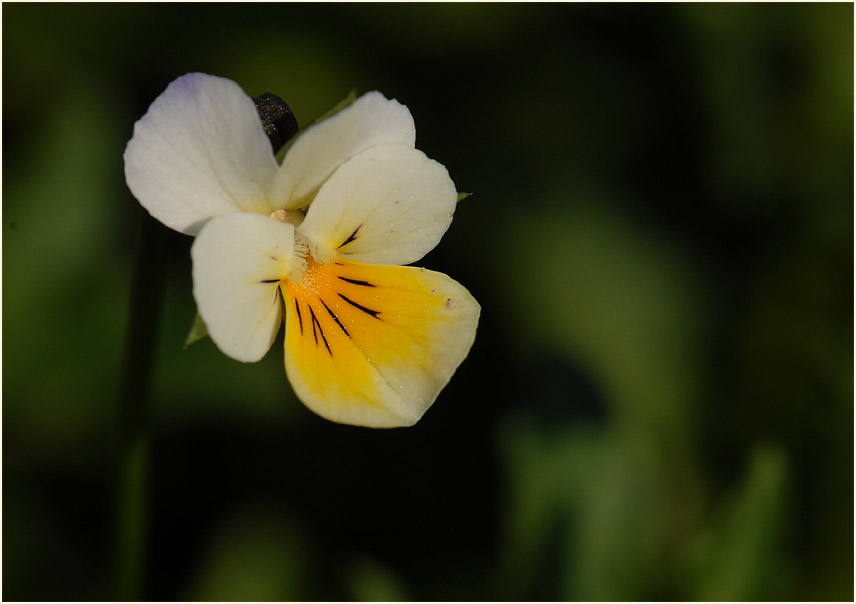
{"x": 318, "y": 239}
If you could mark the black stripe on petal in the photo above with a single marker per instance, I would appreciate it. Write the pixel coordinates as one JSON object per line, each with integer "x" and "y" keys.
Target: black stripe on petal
{"x": 299, "y": 318}
{"x": 336, "y": 319}
{"x": 368, "y": 311}
{"x": 350, "y": 238}
{"x": 358, "y": 282}
{"x": 321, "y": 331}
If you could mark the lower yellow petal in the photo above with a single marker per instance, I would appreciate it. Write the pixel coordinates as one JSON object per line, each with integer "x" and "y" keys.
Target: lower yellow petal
{"x": 373, "y": 345}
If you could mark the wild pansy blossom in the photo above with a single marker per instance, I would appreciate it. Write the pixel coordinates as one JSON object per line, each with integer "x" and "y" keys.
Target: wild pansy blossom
{"x": 319, "y": 240}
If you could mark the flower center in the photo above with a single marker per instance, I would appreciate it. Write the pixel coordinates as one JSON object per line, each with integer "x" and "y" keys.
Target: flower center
{"x": 298, "y": 268}
{"x": 308, "y": 285}
{"x": 294, "y": 217}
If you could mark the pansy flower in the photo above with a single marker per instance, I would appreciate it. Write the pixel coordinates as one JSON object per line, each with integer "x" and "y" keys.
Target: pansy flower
{"x": 319, "y": 240}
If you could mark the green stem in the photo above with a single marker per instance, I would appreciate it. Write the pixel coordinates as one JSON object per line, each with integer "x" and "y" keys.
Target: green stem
{"x": 134, "y": 446}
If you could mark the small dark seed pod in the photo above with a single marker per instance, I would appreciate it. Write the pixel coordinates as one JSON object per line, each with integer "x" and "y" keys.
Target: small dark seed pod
{"x": 278, "y": 121}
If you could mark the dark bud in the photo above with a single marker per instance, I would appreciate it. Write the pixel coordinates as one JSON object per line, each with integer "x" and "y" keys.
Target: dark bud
{"x": 277, "y": 119}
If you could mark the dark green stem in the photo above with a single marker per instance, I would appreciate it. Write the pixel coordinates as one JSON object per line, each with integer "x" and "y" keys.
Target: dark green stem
{"x": 134, "y": 433}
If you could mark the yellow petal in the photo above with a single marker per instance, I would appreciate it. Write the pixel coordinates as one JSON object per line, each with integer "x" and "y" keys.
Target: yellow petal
{"x": 373, "y": 345}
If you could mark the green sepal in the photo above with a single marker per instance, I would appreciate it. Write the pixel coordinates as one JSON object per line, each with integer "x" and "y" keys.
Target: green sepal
{"x": 197, "y": 332}
{"x": 350, "y": 98}
{"x": 463, "y": 196}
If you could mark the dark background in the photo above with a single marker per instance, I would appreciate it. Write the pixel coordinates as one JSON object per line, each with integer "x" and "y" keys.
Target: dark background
{"x": 659, "y": 402}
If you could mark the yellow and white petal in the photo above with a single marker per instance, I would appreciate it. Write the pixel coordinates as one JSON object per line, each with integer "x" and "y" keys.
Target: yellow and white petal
{"x": 388, "y": 205}
{"x": 200, "y": 151}
{"x": 370, "y": 120}
{"x": 373, "y": 345}
{"x": 239, "y": 261}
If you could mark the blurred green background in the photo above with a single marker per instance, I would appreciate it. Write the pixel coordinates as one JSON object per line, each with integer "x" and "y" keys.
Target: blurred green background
{"x": 659, "y": 402}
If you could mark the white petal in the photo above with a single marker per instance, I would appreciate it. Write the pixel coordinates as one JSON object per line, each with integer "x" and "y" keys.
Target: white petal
{"x": 238, "y": 262}
{"x": 373, "y": 345}
{"x": 370, "y": 120}
{"x": 200, "y": 151}
{"x": 388, "y": 205}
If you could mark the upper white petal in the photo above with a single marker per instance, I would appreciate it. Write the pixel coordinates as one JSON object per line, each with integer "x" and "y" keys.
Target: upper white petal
{"x": 200, "y": 151}
{"x": 370, "y": 120}
{"x": 388, "y": 205}
{"x": 238, "y": 261}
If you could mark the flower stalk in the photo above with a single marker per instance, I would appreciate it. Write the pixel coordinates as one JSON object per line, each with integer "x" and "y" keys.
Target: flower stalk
{"x": 134, "y": 430}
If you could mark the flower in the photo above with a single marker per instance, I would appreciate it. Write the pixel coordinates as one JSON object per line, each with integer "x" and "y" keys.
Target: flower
{"x": 319, "y": 240}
